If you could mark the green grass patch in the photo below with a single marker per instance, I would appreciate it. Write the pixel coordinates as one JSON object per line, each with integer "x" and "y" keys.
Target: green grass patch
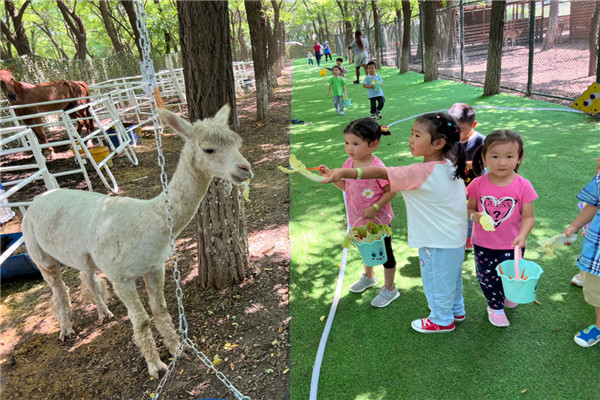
{"x": 374, "y": 353}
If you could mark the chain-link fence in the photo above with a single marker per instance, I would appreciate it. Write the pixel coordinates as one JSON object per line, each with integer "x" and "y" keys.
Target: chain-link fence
{"x": 545, "y": 52}
{"x": 35, "y": 69}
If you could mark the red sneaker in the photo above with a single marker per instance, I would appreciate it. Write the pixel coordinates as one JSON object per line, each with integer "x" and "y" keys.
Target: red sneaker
{"x": 469, "y": 245}
{"x": 426, "y": 326}
{"x": 460, "y": 318}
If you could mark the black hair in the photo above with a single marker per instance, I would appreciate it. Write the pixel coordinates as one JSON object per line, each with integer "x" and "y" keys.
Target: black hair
{"x": 359, "y": 42}
{"x": 335, "y": 66}
{"x": 444, "y": 126}
{"x": 462, "y": 112}
{"x": 368, "y": 129}
{"x": 340, "y": 59}
{"x": 500, "y": 136}
{"x": 372, "y": 63}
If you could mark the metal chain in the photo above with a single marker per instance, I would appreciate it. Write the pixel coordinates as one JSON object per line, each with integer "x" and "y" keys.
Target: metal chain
{"x": 147, "y": 68}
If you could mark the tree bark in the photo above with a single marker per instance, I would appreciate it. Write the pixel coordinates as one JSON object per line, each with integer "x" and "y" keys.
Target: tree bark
{"x": 378, "y": 55}
{"x": 406, "y": 12}
{"x": 106, "y": 14}
{"x": 19, "y": 38}
{"x": 494, "y": 62}
{"x": 272, "y": 50}
{"x": 551, "y": 33}
{"x": 130, "y": 11}
{"x": 76, "y": 27}
{"x": 220, "y": 222}
{"x": 258, "y": 35}
{"x": 430, "y": 22}
{"x": 593, "y": 41}
{"x": 343, "y": 5}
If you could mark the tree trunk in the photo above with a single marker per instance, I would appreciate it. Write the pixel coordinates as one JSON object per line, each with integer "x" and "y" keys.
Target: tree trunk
{"x": 430, "y": 22}
{"x": 106, "y": 14}
{"x": 258, "y": 35}
{"x": 77, "y": 29}
{"x": 494, "y": 62}
{"x": 343, "y": 5}
{"x": 552, "y": 32}
{"x": 593, "y": 41}
{"x": 272, "y": 50}
{"x": 19, "y": 38}
{"x": 220, "y": 222}
{"x": 406, "y": 12}
{"x": 130, "y": 11}
{"x": 378, "y": 55}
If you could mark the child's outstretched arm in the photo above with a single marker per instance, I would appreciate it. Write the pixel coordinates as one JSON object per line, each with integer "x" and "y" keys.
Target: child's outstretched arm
{"x": 338, "y": 174}
{"x": 324, "y": 171}
{"x": 585, "y": 216}
{"x": 527, "y": 222}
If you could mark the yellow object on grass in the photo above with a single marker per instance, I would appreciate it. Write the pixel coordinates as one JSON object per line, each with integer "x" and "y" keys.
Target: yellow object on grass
{"x": 297, "y": 166}
{"x": 487, "y": 222}
{"x": 323, "y": 72}
{"x": 550, "y": 244}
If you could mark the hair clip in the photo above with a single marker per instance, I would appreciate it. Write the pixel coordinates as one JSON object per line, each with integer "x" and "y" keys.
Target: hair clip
{"x": 449, "y": 123}
{"x": 437, "y": 116}
{"x": 384, "y": 129}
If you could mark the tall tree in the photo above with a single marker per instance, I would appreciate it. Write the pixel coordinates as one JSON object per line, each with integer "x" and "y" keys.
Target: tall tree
{"x": 552, "y": 31}
{"x": 130, "y": 11}
{"x": 257, "y": 23}
{"x": 168, "y": 37}
{"x": 406, "y": 15}
{"x": 76, "y": 29}
{"x": 430, "y": 22}
{"x": 107, "y": 19}
{"x": 494, "y": 62}
{"x": 272, "y": 50}
{"x": 378, "y": 54}
{"x": 343, "y": 5}
{"x": 17, "y": 37}
{"x": 220, "y": 221}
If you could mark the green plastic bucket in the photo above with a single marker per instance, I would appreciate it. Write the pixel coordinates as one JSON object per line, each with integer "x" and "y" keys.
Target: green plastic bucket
{"x": 373, "y": 253}
{"x": 347, "y": 102}
{"x": 519, "y": 278}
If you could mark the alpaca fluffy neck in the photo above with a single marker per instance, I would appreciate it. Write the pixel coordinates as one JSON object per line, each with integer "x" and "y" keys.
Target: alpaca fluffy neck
{"x": 186, "y": 190}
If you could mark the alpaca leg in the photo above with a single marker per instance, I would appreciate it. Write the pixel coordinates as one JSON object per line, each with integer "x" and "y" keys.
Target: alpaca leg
{"x": 155, "y": 286}
{"x": 60, "y": 298}
{"x": 94, "y": 287}
{"x": 142, "y": 335}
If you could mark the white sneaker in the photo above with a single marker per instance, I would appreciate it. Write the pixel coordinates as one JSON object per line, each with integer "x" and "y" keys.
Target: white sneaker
{"x": 341, "y": 113}
{"x": 577, "y": 280}
{"x": 363, "y": 284}
{"x": 385, "y": 297}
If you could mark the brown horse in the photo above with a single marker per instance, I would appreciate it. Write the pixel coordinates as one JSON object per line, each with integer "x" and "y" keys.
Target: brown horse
{"x": 21, "y": 93}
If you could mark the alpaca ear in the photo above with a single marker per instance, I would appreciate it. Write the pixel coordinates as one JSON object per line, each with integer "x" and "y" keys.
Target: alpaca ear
{"x": 222, "y": 115}
{"x": 175, "y": 122}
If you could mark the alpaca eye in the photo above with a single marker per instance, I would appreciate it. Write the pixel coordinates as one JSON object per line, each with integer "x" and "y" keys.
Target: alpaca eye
{"x": 209, "y": 151}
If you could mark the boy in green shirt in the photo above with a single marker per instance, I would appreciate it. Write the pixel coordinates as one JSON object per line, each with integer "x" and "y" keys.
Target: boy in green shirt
{"x": 339, "y": 89}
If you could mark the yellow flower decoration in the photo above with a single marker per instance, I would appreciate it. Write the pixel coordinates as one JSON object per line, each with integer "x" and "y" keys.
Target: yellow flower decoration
{"x": 368, "y": 193}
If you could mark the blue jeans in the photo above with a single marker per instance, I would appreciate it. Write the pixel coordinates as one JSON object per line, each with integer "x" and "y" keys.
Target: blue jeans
{"x": 441, "y": 272}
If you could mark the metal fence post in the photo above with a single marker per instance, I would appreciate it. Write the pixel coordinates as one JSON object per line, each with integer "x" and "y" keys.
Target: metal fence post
{"x": 531, "y": 47}
{"x": 461, "y": 33}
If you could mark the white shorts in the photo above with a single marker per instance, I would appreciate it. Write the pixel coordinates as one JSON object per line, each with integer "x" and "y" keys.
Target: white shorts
{"x": 361, "y": 58}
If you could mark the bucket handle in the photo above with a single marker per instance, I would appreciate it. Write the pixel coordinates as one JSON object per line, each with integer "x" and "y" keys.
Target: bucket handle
{"x": 517, "y": 257}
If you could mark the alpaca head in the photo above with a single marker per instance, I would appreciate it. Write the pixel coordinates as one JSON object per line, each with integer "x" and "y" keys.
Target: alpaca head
{"x": 214, "y": 147}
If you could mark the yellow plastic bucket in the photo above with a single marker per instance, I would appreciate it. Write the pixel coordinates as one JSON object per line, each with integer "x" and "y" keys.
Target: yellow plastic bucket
{"x": 323, "y": 72}
{"x": 98, "y": 154}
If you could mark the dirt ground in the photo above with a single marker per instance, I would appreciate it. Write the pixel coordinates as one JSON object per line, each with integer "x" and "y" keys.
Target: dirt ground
{"x": 244, "y": 330}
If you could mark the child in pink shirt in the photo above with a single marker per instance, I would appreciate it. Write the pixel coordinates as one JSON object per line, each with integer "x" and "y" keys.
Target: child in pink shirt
{"x": 508, "y": 199}
{"x": 436, "y": 208}
{"x": 368, "y": 200}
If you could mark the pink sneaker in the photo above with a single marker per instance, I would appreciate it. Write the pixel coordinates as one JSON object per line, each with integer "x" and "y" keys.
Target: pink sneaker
{"x": 497, "y": 318}
{"x": 510, "y": 304}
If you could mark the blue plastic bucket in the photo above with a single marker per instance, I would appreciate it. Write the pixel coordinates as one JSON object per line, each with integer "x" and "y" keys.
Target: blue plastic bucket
{"x": 373, "y": 253}
{"x": 519, "y": 278}
{"x": 347, "y": 102}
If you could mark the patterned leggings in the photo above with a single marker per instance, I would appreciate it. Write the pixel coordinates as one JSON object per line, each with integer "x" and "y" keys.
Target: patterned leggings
{"x": 486, "y": 261}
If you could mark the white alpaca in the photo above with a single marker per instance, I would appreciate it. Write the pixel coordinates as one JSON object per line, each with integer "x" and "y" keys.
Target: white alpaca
{"x": 127, "y": 238}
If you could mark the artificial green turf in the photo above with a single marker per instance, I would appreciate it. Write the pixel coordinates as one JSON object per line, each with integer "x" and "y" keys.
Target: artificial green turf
{"x": 374, "y": 353}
